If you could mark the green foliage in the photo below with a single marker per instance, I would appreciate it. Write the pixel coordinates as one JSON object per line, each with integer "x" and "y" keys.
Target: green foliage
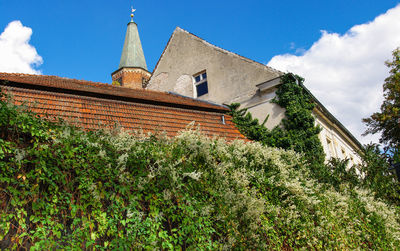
{"x": 299, "y": 133}
{"x": 337, "y": 172}
{"x": 297, "y": 130}
{"x": 64, "y": 188}
{"x": 377, "y": 177}
{"x": 387, "y": 121}
{"x": 248, "y": 126}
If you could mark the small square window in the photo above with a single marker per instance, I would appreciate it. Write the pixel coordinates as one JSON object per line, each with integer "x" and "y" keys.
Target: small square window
{"x": 201, "y": 84}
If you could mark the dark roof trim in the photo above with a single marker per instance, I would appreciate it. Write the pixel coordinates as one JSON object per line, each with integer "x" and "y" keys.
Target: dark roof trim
{"x": 334, "y": 120}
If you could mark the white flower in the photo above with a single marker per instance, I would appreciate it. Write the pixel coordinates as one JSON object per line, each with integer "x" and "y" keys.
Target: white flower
{"x": 194, "y": 175}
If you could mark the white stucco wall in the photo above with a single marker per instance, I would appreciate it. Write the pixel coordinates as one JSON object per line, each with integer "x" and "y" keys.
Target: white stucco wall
{"x": 335, "y": 143}
{"x": 260, "y": 106}
{"x": 340, "y": 145}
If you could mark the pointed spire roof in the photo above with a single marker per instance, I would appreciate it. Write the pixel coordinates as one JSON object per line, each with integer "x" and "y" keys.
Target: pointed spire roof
{"x": 132, "y": 53}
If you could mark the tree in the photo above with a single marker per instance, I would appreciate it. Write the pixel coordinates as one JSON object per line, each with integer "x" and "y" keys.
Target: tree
{"x": 387, "y": 121}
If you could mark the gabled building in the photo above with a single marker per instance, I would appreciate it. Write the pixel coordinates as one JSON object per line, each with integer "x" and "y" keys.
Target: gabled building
{"x": 193, "y": 67}
{"x": 126, "y": 104}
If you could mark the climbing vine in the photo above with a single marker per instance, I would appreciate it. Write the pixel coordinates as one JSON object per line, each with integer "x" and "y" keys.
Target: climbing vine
{"x": 297, "y": 131}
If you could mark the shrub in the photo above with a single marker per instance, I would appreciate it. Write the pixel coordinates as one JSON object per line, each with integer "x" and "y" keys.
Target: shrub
{"x": 64, "y": 188}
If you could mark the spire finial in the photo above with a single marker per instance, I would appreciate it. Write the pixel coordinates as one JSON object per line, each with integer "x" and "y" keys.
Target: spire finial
{"x": 132, "y": 10}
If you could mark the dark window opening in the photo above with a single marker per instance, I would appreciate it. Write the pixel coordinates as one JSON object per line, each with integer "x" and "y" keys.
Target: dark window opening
{"x": 202, "y": 89}
{"x": 200, "y": 81}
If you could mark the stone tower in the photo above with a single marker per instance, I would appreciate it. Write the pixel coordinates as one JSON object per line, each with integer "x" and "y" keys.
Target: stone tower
{"x": 132, "y": 71}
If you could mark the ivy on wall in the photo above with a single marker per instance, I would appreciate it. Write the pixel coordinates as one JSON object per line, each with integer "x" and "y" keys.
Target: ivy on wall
{"x": 297, "y": 131}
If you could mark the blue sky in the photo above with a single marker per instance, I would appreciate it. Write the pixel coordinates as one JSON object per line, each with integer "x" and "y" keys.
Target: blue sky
{"x": 339, "y": 47}
{"x": 83, "y": 39}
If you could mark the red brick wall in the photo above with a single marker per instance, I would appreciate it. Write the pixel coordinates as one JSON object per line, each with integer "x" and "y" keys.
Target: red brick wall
{"x": 131, "y": 78}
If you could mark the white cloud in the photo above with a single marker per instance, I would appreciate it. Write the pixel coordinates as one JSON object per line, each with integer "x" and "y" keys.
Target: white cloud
{"x": 16, "y": 54}
{"x": 346, "y": 72}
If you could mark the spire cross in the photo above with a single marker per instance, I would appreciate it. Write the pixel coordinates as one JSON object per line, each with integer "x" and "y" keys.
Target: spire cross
{"x": 132, "y": 10}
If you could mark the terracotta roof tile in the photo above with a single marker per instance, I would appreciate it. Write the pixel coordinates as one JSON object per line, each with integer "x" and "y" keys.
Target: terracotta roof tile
{"x": 96, "y": 88}
{"x": 167, "y": 113}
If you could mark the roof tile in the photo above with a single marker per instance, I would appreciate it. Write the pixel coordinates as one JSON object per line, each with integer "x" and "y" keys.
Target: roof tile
{"x": 169, "y": 113}
{"x": 66, "y": 84}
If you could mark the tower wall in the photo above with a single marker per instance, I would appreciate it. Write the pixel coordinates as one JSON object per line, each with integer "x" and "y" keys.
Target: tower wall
{"x": 135, "y": 78}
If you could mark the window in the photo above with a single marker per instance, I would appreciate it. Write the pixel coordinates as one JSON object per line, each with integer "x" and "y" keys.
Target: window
{"x": 344, "y": 153}
{"x": 330, "y": 148}
{"x": 200, "y": 82}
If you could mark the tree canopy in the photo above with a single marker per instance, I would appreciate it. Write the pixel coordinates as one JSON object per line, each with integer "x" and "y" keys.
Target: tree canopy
{"x": 387, "y": 120}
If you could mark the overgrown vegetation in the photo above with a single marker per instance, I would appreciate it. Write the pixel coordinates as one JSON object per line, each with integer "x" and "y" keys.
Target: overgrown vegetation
{"x": 378, "y": 177}
{"x": 62, "y": 187}
{"x": 297, "y": 130}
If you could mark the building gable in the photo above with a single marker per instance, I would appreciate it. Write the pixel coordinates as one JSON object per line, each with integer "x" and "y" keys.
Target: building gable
{"x": 187, "y": 55}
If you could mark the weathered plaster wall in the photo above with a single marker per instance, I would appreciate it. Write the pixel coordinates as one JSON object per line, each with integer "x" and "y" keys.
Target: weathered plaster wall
{"x": 260, "y": 106}
{"x": 229, "y": 76}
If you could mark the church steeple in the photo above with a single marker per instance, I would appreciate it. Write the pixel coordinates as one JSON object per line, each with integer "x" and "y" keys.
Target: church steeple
{"x": 132, "y": 71}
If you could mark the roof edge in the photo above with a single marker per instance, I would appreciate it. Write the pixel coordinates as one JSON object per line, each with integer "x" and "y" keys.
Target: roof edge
{"x": 319, "y": 106}
{"x": 89, "y": 88}
{"x": 226, "y": 51}
{"x": 165, "y": 48}
{"x": 195, "y": 99}
{"x": 333, "y": 119}
{"x": 129, "y": 67}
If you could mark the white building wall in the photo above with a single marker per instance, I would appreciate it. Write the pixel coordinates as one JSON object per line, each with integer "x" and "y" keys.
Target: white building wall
{"x": 234, "y": 79}
{"x": 335, "y": 143}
